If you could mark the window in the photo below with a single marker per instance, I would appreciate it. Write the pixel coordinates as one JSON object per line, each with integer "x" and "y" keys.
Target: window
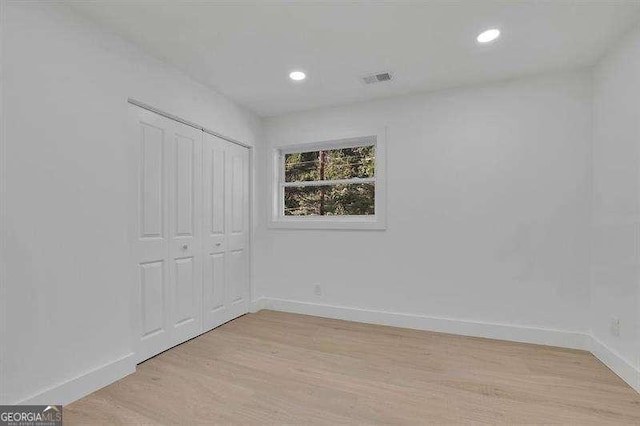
{"x": 333, "y": 184}
{"x": 330, "y": 182}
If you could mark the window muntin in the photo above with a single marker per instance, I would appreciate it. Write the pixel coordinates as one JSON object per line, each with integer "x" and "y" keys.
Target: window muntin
{"x": 330, "y": 181}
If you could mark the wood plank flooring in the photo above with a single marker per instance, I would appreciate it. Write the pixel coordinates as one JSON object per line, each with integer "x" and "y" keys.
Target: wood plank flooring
{"x": 279, "y": 368}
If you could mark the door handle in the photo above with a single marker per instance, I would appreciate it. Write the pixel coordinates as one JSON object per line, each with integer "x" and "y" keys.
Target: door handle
{"x": 218, "y": 244}
{"x": 185, "y": 246}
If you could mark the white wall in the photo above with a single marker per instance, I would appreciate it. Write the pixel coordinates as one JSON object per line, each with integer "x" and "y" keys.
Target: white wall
{"x": 616, "y": 203}
{"x": 66, "y": 84}
{"x": 488, "y": 208}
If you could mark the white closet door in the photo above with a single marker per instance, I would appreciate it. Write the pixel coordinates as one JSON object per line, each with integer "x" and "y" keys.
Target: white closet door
{"x": 151, "y": 244}
{"x": 214, "y": 225}
{"x": 168, "y": 235}
{"x": 185, "y": 242}
{"x": 226, "y": 236}
{"x": 237, "y": 229}
{"x": 191, "y": 243}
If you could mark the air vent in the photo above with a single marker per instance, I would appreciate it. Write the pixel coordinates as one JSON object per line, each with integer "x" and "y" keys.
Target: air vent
{"x": 377, "y": 78}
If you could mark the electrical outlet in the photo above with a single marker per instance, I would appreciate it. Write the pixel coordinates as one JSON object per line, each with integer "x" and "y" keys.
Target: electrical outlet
{"x": 614, "y": 327}
{"x": 317, "y": 290}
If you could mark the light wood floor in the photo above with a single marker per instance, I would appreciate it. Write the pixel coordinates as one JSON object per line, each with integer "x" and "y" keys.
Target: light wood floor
{"x": 278, "y": 368}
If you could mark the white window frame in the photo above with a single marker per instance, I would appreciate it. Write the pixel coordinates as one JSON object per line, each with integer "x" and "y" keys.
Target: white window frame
{"x": 376, "y": 221}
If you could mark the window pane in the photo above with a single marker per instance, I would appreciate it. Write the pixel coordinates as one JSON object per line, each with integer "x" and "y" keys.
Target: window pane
{"x": 301, "y": 166}
{"x": 345, "y": 163}
{"x": 331, "y": 200}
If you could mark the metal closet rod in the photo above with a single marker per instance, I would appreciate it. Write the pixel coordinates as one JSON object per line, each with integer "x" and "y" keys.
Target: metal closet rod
{"x": 183, "y": 121}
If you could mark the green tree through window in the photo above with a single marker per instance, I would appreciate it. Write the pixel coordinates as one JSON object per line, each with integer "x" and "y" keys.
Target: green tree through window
{"x": 336, "y": 197}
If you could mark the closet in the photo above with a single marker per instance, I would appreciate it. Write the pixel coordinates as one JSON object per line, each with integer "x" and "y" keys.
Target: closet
{"x": 191, "y": 233}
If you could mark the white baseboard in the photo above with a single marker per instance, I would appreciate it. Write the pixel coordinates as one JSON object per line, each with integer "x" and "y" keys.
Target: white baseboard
{"x": 258, "y": 305}
{"x": 515, "y": 333}
{"x": 616, "y": 363}
{"x": 84, "y": 384}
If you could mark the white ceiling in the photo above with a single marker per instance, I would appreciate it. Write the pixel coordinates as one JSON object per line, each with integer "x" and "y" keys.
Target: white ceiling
{"x": 245, "y": 50}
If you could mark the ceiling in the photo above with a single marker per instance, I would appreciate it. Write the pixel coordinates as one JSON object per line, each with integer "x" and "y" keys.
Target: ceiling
{"x": 246, "y": 50}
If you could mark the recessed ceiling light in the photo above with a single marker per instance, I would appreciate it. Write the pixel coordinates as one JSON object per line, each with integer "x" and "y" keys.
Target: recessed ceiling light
{"x": 297, "y": 75}
{"x": 489, "y": 35}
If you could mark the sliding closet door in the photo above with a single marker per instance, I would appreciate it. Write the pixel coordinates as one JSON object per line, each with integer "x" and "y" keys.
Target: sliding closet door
{"x": 191, "y": 234}
{"x": 185, "y": 244}
{"x": 237, "y": 229}
{"x": 216, "y": 310}
{"x": 168, "y": 234}
{"x": 226, "y": 236}
{"x": 151, "y": 242}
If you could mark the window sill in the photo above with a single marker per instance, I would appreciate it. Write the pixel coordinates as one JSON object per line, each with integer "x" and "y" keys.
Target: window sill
{"x": 373, "y": 224}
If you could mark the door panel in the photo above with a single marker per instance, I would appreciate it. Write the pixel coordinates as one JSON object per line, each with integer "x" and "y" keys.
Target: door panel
{"x": 226, "y": 219}
{"x": 151, "y": 246}
{"x": 152, "y": 292}
{"x": 237, "y": 193}
{"x": 237, "y": 232}
{"x": 167, "y": 245}
{"x": 214, "y": 283}
{"x": 185, "y": 247}
{"x": 215, "y": 186}
{"x": 236, "y": 275}
{"x": 215, "y": 306}
{"x": 185, "y": 290}
{"x": 151, "y": 209}
{"x": 185, "y": 185}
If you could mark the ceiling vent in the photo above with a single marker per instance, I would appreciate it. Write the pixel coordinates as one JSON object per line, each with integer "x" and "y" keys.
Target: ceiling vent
{"x": 377, "y": 78}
